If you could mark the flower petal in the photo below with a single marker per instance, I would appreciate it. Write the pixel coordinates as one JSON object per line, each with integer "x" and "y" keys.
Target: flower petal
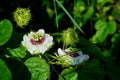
{"x": 41, "y": 32}
{"x": 61, "y": 52}
{"x": 80, "y": 58}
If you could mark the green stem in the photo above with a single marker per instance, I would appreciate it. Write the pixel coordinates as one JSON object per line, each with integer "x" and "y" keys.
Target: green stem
{"x": 69, "y": 16}
{"x": 56, "y": 20}
{"x": 52, "y": 65}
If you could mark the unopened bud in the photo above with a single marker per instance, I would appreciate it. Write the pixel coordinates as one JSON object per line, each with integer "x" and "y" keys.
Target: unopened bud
{"x": 22, "y": 16}
{"x": 70, "y": 36}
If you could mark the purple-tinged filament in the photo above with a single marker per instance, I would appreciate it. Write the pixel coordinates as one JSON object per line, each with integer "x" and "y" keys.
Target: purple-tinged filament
{"x": 37, "y": 42}
{"x": 73, "y": 54}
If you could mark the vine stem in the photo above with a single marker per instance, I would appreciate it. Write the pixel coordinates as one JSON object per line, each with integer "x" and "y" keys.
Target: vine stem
{"x": 52, "y": 65}
{"x": 74, "y": 22}
{"x": 56, "y": 20}
{"x": 90, "y": 18}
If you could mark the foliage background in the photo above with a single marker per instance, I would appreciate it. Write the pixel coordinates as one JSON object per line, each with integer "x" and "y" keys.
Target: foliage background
{"x": 98, "y": 19}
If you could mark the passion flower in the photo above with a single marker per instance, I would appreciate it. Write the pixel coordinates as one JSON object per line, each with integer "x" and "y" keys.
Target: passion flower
{"x": 71, "y": 58}
{"x": 37, "y": 42}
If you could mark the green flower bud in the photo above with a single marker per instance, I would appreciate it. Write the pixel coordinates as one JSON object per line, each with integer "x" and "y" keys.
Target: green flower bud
{"x": 50, "y": 12}
{"x": 82, "y": 8}
{"x": 70, "y": 37}
{"x": 64, "y": 61}
{"x": 22, "y": 16}
{"x": 110, "y": 17}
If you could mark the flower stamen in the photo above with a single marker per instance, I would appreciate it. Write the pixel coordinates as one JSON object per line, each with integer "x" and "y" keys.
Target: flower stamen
{"x": 34, "y": 42}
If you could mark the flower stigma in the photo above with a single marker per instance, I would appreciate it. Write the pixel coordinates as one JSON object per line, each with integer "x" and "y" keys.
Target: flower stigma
{"x": 36, "y": 38}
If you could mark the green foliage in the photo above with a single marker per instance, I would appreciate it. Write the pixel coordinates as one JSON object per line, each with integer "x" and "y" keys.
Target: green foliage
{"x": 103, "y": 30}
{"x": 91, "y": 71}
{"x": 59, "y": 17}
{"x": 38, "y": 68}
{"x": 103, "y": 2}
{"x": 68, "y": 74}
{"x": 17, "y": 69}
{"x": 89, "y": 48}
{"x": 115, "y": 40}
{"x": 79, "y": 7}
{"x": 18, "y": 52}
{"x": 74, "y": 22}
{"x": 112, "y": 70}
{"x": 115, "y": 48}
{"x": 89, "y": 13}
{"x": 5, "y": 31}
{"x": 115, "y": 11}
{"x": 81, "y": 13}
{"x": 91, "y": 26}
{"x": 5, "y": 73}
{"x": 15, "y": 40}
{"x": 112, "y": 27}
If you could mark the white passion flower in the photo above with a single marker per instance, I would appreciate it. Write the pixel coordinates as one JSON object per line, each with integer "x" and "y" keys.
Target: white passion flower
{"x": 72, "y": 58}
{"x": 37, "y": 42}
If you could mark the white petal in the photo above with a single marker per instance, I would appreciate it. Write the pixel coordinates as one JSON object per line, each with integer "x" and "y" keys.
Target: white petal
{"x": 48, "y": 40}
{"x": 67, "y": 50}
{"x": 42, "y": 49}
{"x": 41, "y": 31}
{"x": 61, "y": 52}
{"x": 25, "y": 37}
{"x": 86, "y": 57}
{"x": 80, "y": 59}
{"x": 26, "y": 42}
{"x": 31, "y": 34}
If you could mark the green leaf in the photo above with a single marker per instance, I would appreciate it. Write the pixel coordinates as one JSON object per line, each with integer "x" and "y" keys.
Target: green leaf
{"x": 88, "y": 14}
{"x": 103, "y": 30}
{"x": 100, "y": 36}
{"x": 91, "y": 49}
{"x": 79, "y": 7}
{"x": 5, "y": 31}
{"x": 112, "y": 26}
{"x": 112, "y": 70}
{"x": 115, "y": 11}
{"x": 18, "y": 69}
{"x": 58, "y": 18}
{"x": 100, "y": 24}
{"x": 68, "y": 74}
{"x": 103, "y": 2}
{"x": 91, "y": 71}
{"x": 115, "y": 37}
{"x": 115, "y": 48}
{"x": 18, "y": 52}
{"x": 38, "y": 68}
{"x": 5, "y": 73}
{"x": 107, "y": 53}
{"x": 115, "y": 40}
{"x": 16, "y": 38}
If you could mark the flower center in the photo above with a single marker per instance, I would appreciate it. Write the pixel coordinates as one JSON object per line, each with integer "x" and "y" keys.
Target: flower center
{"x": 34, "y": 42}
{"x": 73, "y": 54}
